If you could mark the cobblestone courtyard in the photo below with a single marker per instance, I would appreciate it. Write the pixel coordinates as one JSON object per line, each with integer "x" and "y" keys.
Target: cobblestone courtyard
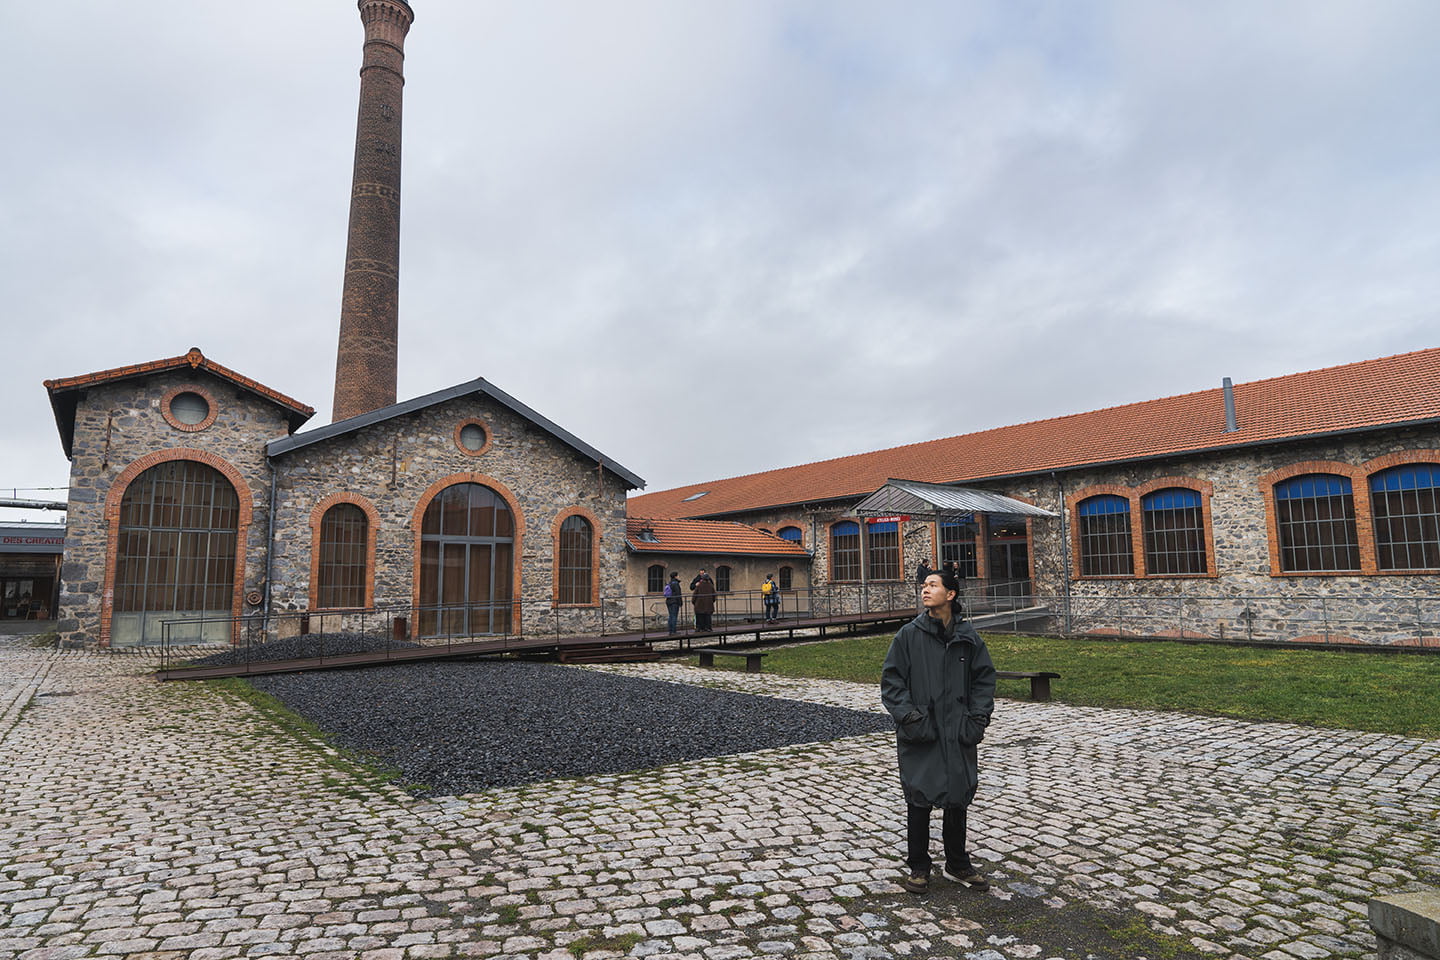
{"x": 168, "y": 821}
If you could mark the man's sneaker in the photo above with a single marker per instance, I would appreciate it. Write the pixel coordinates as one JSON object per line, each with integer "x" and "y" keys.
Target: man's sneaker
{"x": 917, "y": 883}
{"x": 971, "y": 878}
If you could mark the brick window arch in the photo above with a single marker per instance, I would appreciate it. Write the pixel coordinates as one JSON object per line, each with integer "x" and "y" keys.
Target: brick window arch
{"x": 791, "y": 532}
{"x": 344, "y": 527}
{"x": 1315, "y": 528}
{"x": 1176, "y": 528}
{"x": 429, "y": 609}
{"x": 115, "y": 501}
{"x": 577, "y": 558}
{"x": 1405, "y": 513}
{"x": 1103, "y": 531}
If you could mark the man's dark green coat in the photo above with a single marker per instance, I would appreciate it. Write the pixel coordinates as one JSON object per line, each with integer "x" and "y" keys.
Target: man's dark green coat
{"x": 939, "y": 686}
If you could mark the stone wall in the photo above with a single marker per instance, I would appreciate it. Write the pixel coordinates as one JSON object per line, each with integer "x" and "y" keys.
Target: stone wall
{"x": 1243, "y": 599}
{"x": 393, "y": 465}
{"x": 121, "y": 429}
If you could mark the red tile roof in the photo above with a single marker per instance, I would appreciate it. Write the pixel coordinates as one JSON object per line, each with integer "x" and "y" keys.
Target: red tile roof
{"x": 1359, "y": 396}
{"x": 708, "y": 537}
{"x": 193, "y": 359}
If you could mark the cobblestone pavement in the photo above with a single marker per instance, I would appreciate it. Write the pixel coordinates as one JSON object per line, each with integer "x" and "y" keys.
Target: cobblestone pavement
{"x": 176, "y": 820}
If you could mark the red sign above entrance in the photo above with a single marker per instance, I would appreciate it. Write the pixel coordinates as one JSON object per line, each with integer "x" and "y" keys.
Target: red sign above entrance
{"x": 894, "y": 518}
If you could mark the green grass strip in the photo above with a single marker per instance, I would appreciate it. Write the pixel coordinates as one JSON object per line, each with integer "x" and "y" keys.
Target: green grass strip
{"x": 1379, "y": 692}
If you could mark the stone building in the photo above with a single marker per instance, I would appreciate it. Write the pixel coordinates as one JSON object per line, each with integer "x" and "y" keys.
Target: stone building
{"x": 1298, "y": 507}
{"x": 193, "y": 499}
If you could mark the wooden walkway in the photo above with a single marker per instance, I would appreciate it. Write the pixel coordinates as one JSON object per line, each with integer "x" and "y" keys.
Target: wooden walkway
{"x": 557, "y": 646}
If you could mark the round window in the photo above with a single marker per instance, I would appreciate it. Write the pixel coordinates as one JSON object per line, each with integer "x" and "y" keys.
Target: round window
{"x": 472, "y": 437}
{"x": 189, "y": 408}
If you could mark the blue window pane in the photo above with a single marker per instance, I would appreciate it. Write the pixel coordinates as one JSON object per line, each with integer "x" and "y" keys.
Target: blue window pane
{"x": 845, "y": 528}
{"x": 791, "y": 533}
{"x": 1103, "y": 506}
{"x": 1414, "y": 476}
{"x": 1311, "y": 486}
{"x": 1174, "y": 499}
{"x": 890, "y": 527}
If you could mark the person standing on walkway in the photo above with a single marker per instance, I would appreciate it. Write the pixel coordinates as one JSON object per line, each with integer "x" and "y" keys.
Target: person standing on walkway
{"x": 938, "y": 684}
{"x": 674, "y": 599}
{"x": 703, "y": 600}
{"x": 770, "y": 594}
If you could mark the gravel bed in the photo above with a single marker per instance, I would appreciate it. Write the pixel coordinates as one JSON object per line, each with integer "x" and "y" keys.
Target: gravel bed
{"x": 461, "y": 727}
{"x": 309, "y": 645}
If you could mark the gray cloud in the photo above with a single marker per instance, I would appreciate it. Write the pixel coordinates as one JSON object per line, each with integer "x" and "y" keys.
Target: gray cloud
{"x": 780, "y": 225}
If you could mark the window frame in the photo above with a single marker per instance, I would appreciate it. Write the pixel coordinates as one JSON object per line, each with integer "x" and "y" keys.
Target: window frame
{"x": 1137, "y": 496}
{"x": 1428, "y": 545}
{"x": 852, "y": 554}
{"x": 366, "y": 560}
{"x": 655, "y": 578}
{"x": 568, "y": 594}
{"x": 723, "y": 577}
{"x": 1114, "y": 537}
{"x": 884, "y": 555}
{"x": 1152, "y": 534}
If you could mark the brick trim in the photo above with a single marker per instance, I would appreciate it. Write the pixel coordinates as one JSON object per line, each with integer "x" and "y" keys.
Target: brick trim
{"x": 1371, "y": 467}
{"x": 595, "y": 529}
{"x": 170, "y": 417}
{"x": 790, "y": 522}
{"x": 317, "y": 516}
{"x": 1363, "y": 530}
{"x": 116, "y": 496}
{"x": 417, "y": 524}
{"x": 473, "y": 421}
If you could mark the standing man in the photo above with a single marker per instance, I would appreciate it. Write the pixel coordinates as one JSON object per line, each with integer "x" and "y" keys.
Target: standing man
{"x": 938, "y": 684}
{"x": 703, "y": 600}
{"x": 770, "y": 593}
{"x": 674, "y": 599}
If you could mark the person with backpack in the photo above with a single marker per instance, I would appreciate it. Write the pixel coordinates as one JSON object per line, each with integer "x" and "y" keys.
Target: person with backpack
{"x": 770, "y": 594}
{"x": 703, "y": 600}
{"x": 674, "y": 599}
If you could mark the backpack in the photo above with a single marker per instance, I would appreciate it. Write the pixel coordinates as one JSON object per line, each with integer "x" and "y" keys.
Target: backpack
{"x": 668, "y": 587}
{"x": 767, "y": 588}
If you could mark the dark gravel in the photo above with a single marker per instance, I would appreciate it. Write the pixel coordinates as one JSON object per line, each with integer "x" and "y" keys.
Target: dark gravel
{"x": 460, "y": 727}
{"x": 309, "y": 645}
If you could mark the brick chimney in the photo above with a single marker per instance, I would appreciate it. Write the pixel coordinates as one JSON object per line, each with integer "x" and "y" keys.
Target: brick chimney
{"x": 365, "y": 368}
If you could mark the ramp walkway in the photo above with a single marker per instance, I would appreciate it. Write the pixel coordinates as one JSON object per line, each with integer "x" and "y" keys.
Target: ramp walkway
{"x": 248, "y": 661}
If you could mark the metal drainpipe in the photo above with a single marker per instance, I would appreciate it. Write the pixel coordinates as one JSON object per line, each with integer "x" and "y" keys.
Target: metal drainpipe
{"x": 1064, "y": 553}
{"x": 269, "y": 552}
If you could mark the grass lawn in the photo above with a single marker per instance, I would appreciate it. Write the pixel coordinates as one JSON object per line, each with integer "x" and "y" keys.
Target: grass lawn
{"x": 1386, "y": 693}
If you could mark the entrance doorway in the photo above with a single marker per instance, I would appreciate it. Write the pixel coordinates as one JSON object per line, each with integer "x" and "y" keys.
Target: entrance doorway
{"x": 467, "y": 559}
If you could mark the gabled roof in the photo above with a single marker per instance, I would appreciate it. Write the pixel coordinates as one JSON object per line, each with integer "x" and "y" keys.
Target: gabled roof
{"x": 940, "y": 500}
{"x": 65, "y": 392}
{"x": 1384, "y": 393}
{"x": 479, "y": 385}
{"x": 709, "y": 537}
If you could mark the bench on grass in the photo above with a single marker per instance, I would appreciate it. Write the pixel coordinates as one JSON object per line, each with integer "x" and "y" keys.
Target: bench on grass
{"x": 1039, "y": 682}
{"x": 752, "y": 657}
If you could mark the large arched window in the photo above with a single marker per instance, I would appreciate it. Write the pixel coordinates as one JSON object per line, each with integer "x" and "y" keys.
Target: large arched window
{"x": 1174, "y": 525}
{"x": 845, "y": 551}
{"x": 343, "y": 562}
{"x": 466, "y": 562}
{"x": 574, "y": 566}
{"x": 1315, "y": 524}
{"x": 655, "y": 578}
{"x": 1104, "y": 529}
{"x": 175, "y": 557}
{"x": 884, "y": 550}
{"x": 1405, "y": 503}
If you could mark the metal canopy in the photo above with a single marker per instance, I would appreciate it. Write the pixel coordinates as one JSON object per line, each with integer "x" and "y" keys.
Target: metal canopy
{"x": 940, "y": 501}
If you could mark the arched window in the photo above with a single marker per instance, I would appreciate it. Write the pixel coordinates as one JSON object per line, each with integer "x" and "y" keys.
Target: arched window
{"x": 792, "y": 534}
{"x": 1405, "y": 502}
{"x": 1174, "y": 524}
{"x": 1104, "y": 529}
{"x": 1315, "y": 524}
{"x": 175, "y": 557}
{"x": 786, "y": 579}
{"x": 467, "y": 556}
{"x": 884, "y": 544}
{"x": 845, "y": 551}
{"x": 574, "y": 565}
{"x": 722, "y": 579}
{"x": 344, "y": 536}
{"x": 655, "y": 578}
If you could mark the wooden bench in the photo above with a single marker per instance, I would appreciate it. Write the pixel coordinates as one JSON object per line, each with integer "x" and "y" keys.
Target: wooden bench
{"x": 752, "y": 657}
{"x": 1039, "y": 682}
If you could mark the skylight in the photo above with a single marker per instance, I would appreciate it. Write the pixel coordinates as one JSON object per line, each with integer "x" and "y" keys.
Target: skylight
{"x": 695, "y": 496}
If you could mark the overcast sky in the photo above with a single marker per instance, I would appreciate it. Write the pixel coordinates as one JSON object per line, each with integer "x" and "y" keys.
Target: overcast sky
{"x": 719, "y": 236}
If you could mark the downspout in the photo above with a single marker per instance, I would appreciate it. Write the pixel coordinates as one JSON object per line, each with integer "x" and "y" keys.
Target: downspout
{"x": 269, "y": 550}
{"x": 1064, "y": 556}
